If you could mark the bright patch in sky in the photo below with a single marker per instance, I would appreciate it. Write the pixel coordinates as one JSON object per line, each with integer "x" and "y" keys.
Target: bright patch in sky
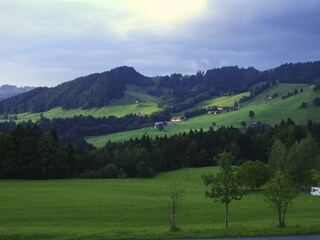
{"x": 165, "y": 11}
{"x": 155, "y": 15}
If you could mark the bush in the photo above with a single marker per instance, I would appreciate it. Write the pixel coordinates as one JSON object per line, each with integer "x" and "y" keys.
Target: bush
{"x": 108, "y": 171}
{"x": 143, "y": 170}
{"x": 304, "y": 105}
{"x": 316, "y": 101}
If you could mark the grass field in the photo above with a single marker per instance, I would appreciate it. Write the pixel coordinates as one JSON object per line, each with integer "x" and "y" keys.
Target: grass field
{"x": 136, "y": 209}
{"x": 226, "y": 101}
{"x": 267, "y": 111}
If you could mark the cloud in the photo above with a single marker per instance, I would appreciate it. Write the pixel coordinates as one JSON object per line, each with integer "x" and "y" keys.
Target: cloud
{"x": 45, "y": 42}
{"x": 205, "y": 61}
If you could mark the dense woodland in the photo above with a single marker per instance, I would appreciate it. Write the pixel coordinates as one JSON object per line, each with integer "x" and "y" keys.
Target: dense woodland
{"x": 176, "y": 92}
{"x": 28, "y": 153}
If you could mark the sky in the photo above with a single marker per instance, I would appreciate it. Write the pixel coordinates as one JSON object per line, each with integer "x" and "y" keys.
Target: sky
{"x": 47, "y": 42}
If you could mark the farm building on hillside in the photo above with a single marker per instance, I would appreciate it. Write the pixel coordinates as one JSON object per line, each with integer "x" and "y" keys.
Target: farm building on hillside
{"x": 160, "y": 125}
{"x": 215, "y": 110}
{"x": 178, "y": 118}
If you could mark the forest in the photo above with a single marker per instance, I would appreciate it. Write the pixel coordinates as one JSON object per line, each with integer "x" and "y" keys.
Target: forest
{"x": 28, "y": 153}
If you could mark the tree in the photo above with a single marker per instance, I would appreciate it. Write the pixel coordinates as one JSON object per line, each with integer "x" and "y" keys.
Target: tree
{"x": 316, "y": 101}
{"x": 243, "y": 124}
{"x": 278, "y": 156}
{"x": 53, "y": 159}
{"x": 301, "y": 158}
{"x": 251, "y": 114}
{"x": 235, "y": 105}
{"x": 254, "y": 174}
{"x": 223, "y": 186}
{"x": 316, "y": 177}
{"x": 303, "y": 105}
{"x": 143, "y": 170}
{"x": 280, "y": 192}
{"x": 175, "y": 195}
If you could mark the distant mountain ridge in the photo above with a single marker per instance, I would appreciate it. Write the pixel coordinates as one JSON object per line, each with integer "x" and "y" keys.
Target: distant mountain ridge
{"x": 7, "y": 90}
{"x": 175, "y": 92}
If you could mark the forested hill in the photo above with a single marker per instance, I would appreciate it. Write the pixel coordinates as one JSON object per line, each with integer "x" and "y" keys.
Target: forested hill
{"x": 94, "y": 90}
{"x": 7, "y": 91}
{"x": 175, "y": 92}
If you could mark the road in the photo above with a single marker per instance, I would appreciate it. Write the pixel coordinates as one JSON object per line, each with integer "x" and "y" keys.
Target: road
{"x": 316, "y": 237}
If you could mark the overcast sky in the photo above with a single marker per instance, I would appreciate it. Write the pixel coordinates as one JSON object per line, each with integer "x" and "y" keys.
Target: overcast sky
{"x": 46, "y": 42}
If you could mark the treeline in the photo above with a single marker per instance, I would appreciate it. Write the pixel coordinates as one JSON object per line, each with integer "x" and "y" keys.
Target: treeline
{"x": 28, "y": 153}
{"x": 76, "y": 128}
{"x": 186, "y": 91}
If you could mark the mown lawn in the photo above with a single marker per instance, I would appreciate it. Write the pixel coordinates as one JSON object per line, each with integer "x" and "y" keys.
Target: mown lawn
{"x": 136, "y": 209}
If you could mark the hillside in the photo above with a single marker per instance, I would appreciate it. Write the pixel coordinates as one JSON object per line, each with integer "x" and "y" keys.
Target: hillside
{"x": 173, "y": 93}
{"x": 269, "y": 111}
{"x": 7, "y": 91}
{"x": 95, "y": 90}
{"x": 134, "y": 101}
{"x": 82, "y": 108}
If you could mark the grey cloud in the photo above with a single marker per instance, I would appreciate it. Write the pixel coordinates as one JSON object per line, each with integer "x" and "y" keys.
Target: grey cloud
{"x": 263, "y": 34}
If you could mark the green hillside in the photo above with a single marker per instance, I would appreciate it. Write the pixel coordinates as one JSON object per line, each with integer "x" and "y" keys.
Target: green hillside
{"x": 226, "y": 101}
{"x": 136, "y": 209}
{"x": 135, "y": 101}
{"x": 270, "y": 111}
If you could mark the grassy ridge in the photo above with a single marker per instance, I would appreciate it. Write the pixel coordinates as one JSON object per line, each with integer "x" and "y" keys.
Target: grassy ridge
{"x": 118, "y": 111}
{"x": 267, "y": 111}
{"x": 136, "y": 209}
{"x": 119, "y": 107}
{"x": 222, "y": 101}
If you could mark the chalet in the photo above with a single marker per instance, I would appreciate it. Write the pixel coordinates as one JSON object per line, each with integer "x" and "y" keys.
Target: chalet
{"x": 213, "y": 112}
{"x": 253, "y": 124}
{"x": 216, "y": 110}
{"x": 178, "y": 118}
{"x": 142, "y": 115}
{"x": 160, "y": 125}
{"x": 227, "y": 93}
{"x": 220, "y": 108}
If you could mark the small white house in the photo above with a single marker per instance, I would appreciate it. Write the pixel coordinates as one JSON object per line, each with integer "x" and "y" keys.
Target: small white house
{"x": 315, "y": 191}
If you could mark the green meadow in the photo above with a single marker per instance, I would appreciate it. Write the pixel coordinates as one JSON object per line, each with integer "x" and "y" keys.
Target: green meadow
{"x": 270, "y": 111}
{"x": 136, "y": 209}
{"x": 118, "y": 111}
{"x": 222, "y": 101}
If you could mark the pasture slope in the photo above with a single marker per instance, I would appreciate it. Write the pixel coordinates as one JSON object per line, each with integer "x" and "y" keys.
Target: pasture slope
{"x": 136, "y": 209}
{"x": 270, "y": 111}
{"x": 128, "y": 104}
